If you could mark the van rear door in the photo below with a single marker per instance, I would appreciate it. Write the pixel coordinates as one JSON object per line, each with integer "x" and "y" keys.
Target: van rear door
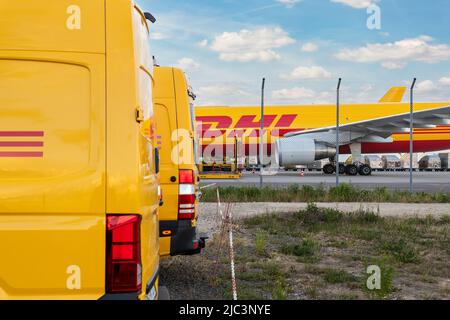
{"x": 52, "y": 153}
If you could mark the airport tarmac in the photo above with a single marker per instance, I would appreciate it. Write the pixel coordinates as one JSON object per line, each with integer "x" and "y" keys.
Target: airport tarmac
{"x": 423, "y": 181}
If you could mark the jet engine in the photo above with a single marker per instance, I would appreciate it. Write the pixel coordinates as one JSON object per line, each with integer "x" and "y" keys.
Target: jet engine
{"x": 296, "y": 151}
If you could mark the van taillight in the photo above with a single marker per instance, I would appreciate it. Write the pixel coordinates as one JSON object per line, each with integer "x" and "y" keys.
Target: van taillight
{"x": 186, "y": 177}
{"x": 187, "y": 195}
{"x": 123, "y": 254}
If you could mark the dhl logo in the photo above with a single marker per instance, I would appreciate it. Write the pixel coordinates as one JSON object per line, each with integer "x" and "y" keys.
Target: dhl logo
{"x": 248, "y": 125}
{"x": 21, "y": 144}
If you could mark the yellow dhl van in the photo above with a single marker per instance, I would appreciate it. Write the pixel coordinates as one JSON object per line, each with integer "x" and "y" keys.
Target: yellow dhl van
{"x": 177, "y": 142}
{"x": 78, "y": 182}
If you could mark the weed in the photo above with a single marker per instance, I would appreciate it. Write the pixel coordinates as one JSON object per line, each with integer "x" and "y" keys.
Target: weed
{"x": 401, "y": 251}
{"x": 260, "y": 243}
{"x": 306, "y": 251}
{"x": 343, "y": 193}
{"x": 279, "y": 291}
{"x": 333, "y": 276}
{"x": 313, "y": 215}
{"x": 362, "y": 233}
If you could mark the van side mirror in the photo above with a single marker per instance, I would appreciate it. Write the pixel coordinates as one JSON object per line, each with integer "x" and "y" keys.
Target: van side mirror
{"x": 150, "y": 17}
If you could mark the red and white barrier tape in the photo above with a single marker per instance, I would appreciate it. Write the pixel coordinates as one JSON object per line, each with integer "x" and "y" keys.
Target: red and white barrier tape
{"x": 227, "y": 220}
{"x": 233, "y": 270}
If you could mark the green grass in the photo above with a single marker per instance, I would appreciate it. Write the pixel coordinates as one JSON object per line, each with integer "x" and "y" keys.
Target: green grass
{"x": 268, "y": 271}
{"x": 338, "y": 276}
{"x": 263, "y": 276}
{"x": 314, "y": 235}
{"x": 324, "y": 254}
{"x": 279, "y": 291}
{"x": 260, "y": 243}
{"x": 343, "y": 193}
{"x": 305, "y": 251}
{"x": 401, "y": 250}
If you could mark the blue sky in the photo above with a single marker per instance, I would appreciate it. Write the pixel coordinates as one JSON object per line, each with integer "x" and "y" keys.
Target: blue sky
{"x": 302, "y": 47}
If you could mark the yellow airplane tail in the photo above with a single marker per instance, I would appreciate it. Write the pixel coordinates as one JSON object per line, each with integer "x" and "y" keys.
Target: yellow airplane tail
{"x": 394, "y": 94}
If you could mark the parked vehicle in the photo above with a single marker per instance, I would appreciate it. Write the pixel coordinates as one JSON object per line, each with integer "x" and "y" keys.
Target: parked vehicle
{"x": 78, "y": 168}
{"x": 391, "y": 163}
{"x": 430, "y": 163}
{"x": 406, "y": 163}
{"x": 177, "y": 142}
{"x": 445, "y": 161}
{"x": 374, "y": 161}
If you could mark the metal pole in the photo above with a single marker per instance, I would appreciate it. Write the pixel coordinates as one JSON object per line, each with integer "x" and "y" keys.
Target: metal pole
{"x": 338, "y": 115}
{"x": 411, "y": 138}
{"x": 261, "y": 137}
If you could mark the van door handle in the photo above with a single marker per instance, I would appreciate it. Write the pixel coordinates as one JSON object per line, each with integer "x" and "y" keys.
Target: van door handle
{"x": 139, "y": 115}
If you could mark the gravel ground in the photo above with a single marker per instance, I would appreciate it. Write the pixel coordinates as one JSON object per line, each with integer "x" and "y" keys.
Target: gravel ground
{"x": 187, "y": 278}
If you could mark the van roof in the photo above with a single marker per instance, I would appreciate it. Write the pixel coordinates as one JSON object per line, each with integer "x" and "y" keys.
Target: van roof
{"x": 53, "y": 26}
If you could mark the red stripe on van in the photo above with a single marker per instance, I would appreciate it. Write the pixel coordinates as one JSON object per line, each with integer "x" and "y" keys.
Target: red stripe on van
{"x": 21, "y": 133}
{"x": 21, "y": 144}
{"x": 21, "y": 154}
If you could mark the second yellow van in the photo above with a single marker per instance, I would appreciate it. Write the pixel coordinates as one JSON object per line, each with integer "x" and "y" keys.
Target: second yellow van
{"x": 177, "y": 142}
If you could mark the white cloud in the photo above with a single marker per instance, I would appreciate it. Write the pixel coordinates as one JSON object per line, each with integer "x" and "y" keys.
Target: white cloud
{"x": 310, "y": 47}
{"x": 393, "y": 65}
{"x": 445, "y": 81}
{"x": 426, "y": 86}
{"x": 262, "y": 56}
{"x": 293, "y": 94}
{"x": 289, "y": 3}
{"x": 220, "y": 91}
{"x": 431, "y": 90}
{"x": 314, "y": 72}
{"x": 225, "y": 93}
{"x": 203, "y": 44}
{"x": 251, "y": 45}
{"x": 216, "y": 90}
{"x": 414, "y": 49}
{"x": 157, "y": 36}
{"x": 187, "y": 64}
{"x": 357, "y": 4}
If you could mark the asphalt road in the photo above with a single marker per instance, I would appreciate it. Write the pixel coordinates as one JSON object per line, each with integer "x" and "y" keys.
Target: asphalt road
{"x": 423, "y": 181}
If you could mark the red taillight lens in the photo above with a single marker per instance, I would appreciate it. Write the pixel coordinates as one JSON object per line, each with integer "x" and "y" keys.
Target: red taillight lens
{"x": 187, "y": 177}
{"x": 123, "y": 254}
{"x": 186, "y": 204}
{"x": 187, "y": 195}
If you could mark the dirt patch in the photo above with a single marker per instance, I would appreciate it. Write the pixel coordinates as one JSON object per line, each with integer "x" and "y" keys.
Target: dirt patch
{"x": 318, "y": 253}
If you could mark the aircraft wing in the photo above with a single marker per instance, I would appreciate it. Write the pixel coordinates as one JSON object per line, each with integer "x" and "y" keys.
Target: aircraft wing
{"x": 386, "y": 126}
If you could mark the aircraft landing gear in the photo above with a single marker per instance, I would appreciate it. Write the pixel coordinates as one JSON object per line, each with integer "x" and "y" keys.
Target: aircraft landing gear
{"x": 350, "y": 170}
{"x": 365, "y": 170}
{"x": 329, "y": 169}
